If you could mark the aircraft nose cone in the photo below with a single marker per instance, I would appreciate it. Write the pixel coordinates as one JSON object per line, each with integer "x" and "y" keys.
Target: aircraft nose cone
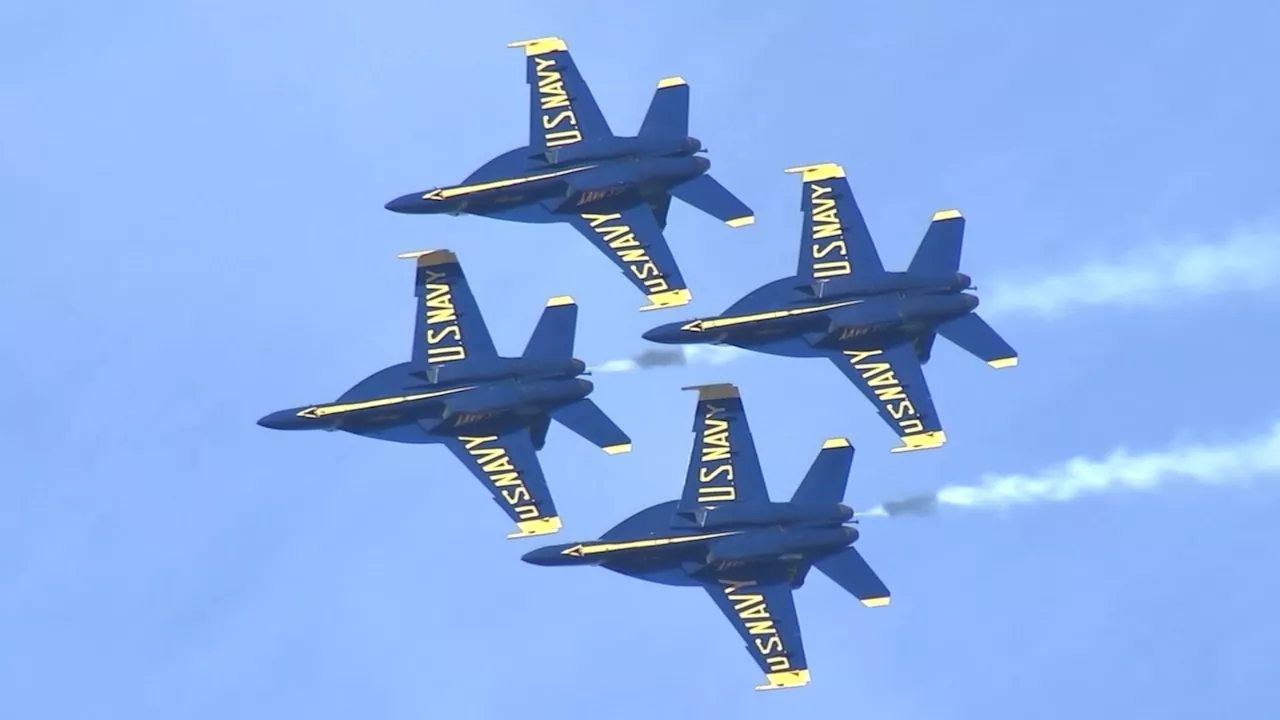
{"x": 701, "y": 163}
{"x": 411, "y": 203}
{"x": 276, "y": 420}
{"x": 971, "y": 301}
{"x": 666, "y": 334}
{"x": 846, "y": 512}
{"x": 544, "y": 557}
{"x": 964, "y": 281}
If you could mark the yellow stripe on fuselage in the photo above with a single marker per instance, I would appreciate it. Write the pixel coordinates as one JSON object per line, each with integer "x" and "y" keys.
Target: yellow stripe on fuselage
{"x": 321, "y": 411}
{"x": 713, "y": 323}
{"x": 451, "y": 192}
{"x": 581, "y": 550}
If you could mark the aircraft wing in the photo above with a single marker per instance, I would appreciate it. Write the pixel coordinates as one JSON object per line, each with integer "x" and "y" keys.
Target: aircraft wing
{"x": 508, "y": 466}
{"x": 635, "y": 243}
{"x": 765, "y": 617}
{"x": 561, "y": 109}
{"x": 448, "y": 326}
{"x": 835, "y": 245}
{"x": 723, "y": 466}
{"x": 893, "y": 380}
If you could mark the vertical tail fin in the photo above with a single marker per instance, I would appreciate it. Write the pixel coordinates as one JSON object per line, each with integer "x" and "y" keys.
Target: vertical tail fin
{"x": 974, "y": 335}
{"x": 828, "y": 477}
{"x": 939, "y": 251}
{"x": 586, "y": 418}
{"x": 554, "y": 335}
{"x": 668, "y": 114}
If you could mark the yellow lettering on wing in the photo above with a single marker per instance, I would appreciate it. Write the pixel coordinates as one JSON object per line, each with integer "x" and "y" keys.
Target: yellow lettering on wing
{"x": 753, "y": 611}
{"x": 715, "y": 466}
{"x": 828, "y": 235}
{"x": 558, "y": 119}
{"x": 494, "y": 461}
{"x": 623, "y": 242}
{"x": 590, "y": 196}
{"x": 444, "y": 335}
{"x": 879, "y": 375}
{"x": 469, "y": 418}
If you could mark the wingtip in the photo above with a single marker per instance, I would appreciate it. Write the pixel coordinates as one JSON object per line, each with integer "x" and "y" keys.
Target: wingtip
{"x": 921, "y": 441}
{"x": 786, "y": 679}
{"x": 876, "y": 601}
{"x": 533, "y": 528}
{"x": 821, "y": 171}
{"x": 540, "y": 46}
{"x": 836, "y": 442}
{"x": 668, "y": 299}
{"x": 617, "y": 449}
{"x": 1008, "y": 362}
{"x": 429, "y": 257}
{"x": 673, "y": 81}
{"x": 560, "y": 300}
{"x": 715, "y": 391}
{"x": 946, "y": 215}
{"x": 741, "y": 221}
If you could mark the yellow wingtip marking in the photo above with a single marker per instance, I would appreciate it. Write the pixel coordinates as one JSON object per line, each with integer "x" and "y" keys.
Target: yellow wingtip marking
{"x": 821, "y": 171}
{"x": 1004, "y": 362}
{"x": 670, "y": 298}
{"x": 923, "y": 441}
{"x": 673, "y": 81}
{"x": 414, "y": 254}
{"x": 836, "y": 442}
{"x": 617, "y": 449}
{"x": 715, "y": 391}
{"x": 741, "y": 222}
{"x": 540, "y": 46}
{"x": 876, "y": 602}
{"x": 559, "y": 300}
{"x": 539, "y": 526}
{"x": 788, "y": 679}
{"x": 946, "y": 215}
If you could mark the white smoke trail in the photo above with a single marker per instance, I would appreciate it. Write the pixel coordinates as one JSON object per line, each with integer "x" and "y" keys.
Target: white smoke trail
{"x": 1248, "y": 260}
{"x": 685, "y": 355}
{"x": 1201, "y": 464}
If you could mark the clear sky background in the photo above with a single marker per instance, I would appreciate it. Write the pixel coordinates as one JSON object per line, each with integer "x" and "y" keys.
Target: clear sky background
{"x": 192, "y": 235}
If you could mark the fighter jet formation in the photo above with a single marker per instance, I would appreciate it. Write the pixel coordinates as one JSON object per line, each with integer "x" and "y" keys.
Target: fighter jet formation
{"x": 493, "y": 413}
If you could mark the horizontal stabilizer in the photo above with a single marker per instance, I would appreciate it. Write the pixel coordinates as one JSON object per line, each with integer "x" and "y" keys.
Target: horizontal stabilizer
{"x": 973, "y": 334}
{"x": 585, "y": 418}
{"x": 939, "y": 252}
{"x": 668, "y": 115}
{"x": 553, "y": 338}
{"x": 828, "y": 477}
{"x": 851, "y": 572}
{"x": 709, "y": 196}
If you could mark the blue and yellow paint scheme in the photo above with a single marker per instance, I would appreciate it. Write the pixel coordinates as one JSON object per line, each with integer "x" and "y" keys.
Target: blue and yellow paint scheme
{"x": 492, "y": 412}
{"x": 726, "y": 536}
{"x": 615, "y": 190}
{"x": 877, "y": 327}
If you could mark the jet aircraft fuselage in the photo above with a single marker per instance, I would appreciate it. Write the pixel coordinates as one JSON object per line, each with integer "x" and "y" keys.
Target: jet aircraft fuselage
{"x": 775, "y": 541}
{"x": 781, "y": 319}
{"x": 400, "y": 402}
{"x": 607, "y": 176}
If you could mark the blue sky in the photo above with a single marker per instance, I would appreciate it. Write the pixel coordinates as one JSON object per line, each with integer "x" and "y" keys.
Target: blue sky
{"x": 191, "y": 212}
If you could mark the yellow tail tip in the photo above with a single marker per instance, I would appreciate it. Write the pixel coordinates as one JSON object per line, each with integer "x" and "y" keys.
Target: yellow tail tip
{"x": 836, "y": 442}
{"x": 946, "y": 215}
{"x": 741, "y": 222}
{"x": 560, "y": 300}
{"x": 674, "y": 81}
{"x": 617, "y": 449}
